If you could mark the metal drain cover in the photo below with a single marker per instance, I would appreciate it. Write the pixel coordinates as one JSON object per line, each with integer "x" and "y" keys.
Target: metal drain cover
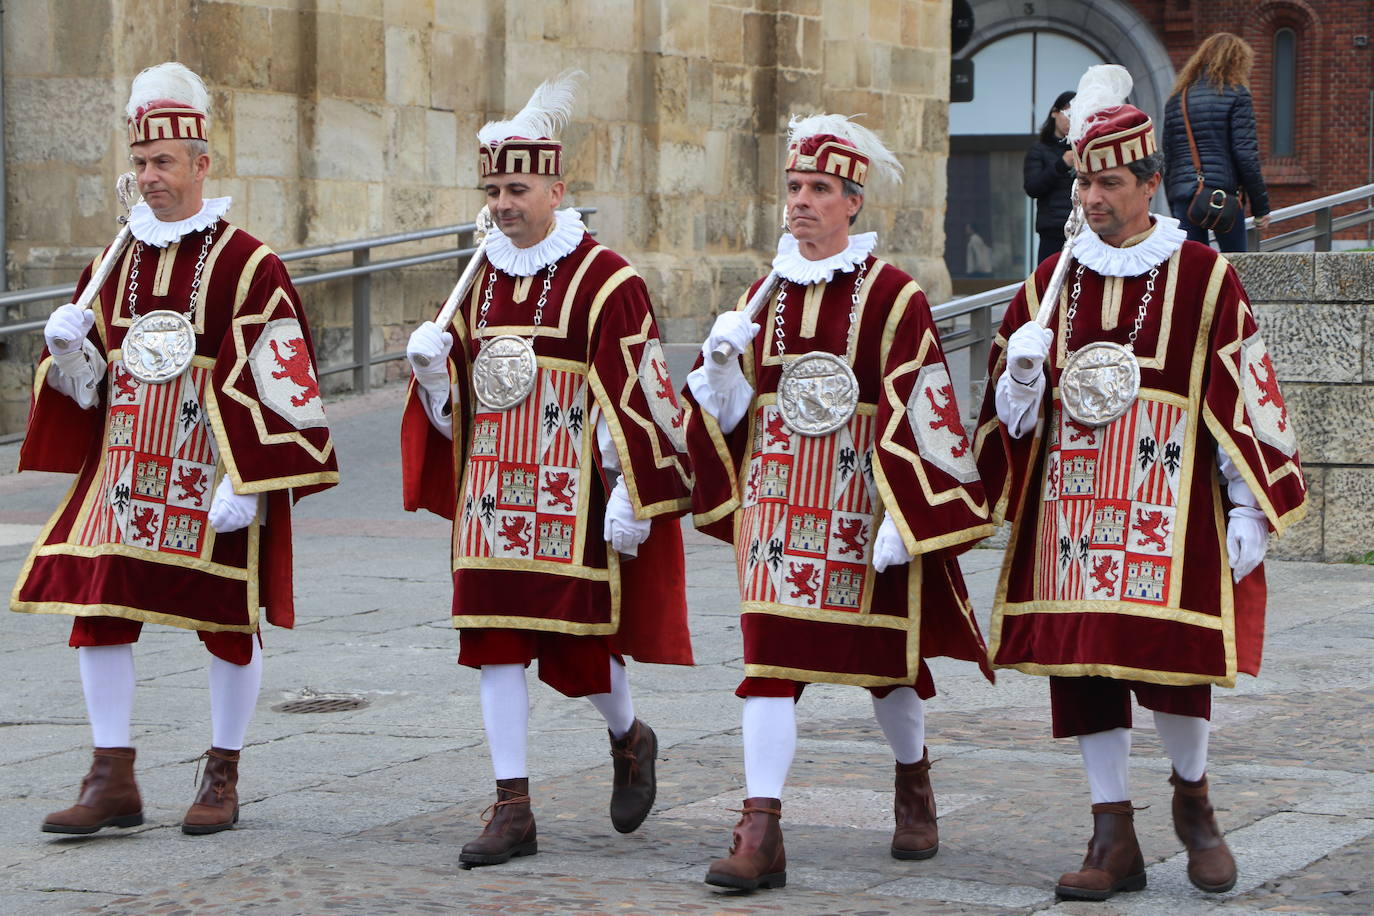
{"x": 321, "y": 704}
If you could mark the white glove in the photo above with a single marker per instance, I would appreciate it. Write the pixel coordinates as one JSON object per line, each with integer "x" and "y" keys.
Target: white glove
{"x": 888, "y": 547}
{"x": 622, "y": 530}
{"x": 230, "y": 511}
{"x": 433, "y": 345}
{"x": 67, "y": 328}
{"x": 1027, "y": 349}
{"x": 732, "y": 328}
{"x": 1247, "y": 538}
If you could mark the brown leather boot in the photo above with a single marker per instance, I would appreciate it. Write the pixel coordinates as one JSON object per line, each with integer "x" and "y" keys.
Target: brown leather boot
{"x": 756, "y": 858}
{"x": 216, "y": 806}
{"x": 510, "y": 830}
{"x": 109, "y": 796}
{"x": 1211, "y": 867}
{"x": 913, "y": 803}
{"x": 1113, "y": 862}
{"x": 634, "y": 787}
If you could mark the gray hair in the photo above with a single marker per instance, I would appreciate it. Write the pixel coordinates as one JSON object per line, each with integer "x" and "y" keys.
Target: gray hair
{"x": 197, "y": 148}
{"x": 853, "y": 189}
{"x": 1152, "y": 164}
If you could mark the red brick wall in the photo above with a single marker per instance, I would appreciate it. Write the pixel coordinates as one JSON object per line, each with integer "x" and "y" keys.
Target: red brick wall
{"x": 1334, "y": 81}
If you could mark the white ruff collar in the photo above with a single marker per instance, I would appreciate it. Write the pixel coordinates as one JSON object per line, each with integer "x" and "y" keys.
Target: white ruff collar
{"x": 526, "y": 262}
{"x": 150, "y": 230}
{"x": 1154, "y": 249}
{"x": 790, "y": 264}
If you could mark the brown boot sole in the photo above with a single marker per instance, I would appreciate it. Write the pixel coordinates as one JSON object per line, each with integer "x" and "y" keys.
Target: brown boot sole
{"x": 630, "y": 826}
{"x": 915, "y": 854}
{"x": 124, "y": 820}
{"x": 1213, "y": 888}
{"x": 776, "y": 879}
{"x": 203, "y": 829}
{"x": 478, "y": 859}
{"x": 1125, "y": 885}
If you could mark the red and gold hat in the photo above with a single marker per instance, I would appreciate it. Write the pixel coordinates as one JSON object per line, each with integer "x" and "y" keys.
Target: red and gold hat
{"x": 1118, "y": 136}
{"x": 1104, "y": 130}
{"x": 528, "y": 143}
{"x": 168, "y": 102}
{"x": 836, "y": 145}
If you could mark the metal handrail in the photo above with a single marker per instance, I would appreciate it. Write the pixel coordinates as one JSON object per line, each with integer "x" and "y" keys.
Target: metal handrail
{"x": 360, "y": 272}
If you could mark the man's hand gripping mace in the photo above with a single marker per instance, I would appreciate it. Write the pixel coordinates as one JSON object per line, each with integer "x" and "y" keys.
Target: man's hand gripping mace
{"x": 723, "y": 352}
{"x": 1073, "y": 227}
{"x": 126, "y": 189}
{"x": 485, "y": 225}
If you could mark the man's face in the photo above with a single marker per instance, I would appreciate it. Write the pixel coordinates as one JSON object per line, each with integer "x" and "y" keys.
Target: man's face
{"x": 817, "y": 210}
{"x": 523, "y": 205}
{"x": 1116, "y": 204}
{"x": 170, "y": 178}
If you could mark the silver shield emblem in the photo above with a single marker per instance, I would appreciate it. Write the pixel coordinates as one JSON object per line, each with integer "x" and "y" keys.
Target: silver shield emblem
{"x": 159, "y": 346}
{"x": 503, "y": 372}
{"x": 1099, "y": 383}
{"x": 818, "y": 394}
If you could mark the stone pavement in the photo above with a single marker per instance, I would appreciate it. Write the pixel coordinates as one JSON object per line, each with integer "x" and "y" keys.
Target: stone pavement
{"x": 363, "y": 811}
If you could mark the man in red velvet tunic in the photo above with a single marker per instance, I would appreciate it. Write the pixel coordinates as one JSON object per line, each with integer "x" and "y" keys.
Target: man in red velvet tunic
{"x": 543, "y": 422}
{"x": 1136, "y": 543}
{"x": 836, "y": 462}
{"x": 186, "y": 467}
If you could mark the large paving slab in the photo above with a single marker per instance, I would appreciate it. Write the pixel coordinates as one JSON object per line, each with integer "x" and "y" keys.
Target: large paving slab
{"x": 364, "y": 811}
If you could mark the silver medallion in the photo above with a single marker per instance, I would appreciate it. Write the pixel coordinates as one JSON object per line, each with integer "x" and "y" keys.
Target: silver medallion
{"x": 503, "y": 372}
{"x": 1099, "y": 383}
{"x": 159, "y": 346}
{"x": 818, "y": 393}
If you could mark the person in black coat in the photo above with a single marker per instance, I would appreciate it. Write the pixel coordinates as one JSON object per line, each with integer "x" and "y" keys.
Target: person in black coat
{"x": 1047, "y": 176}
{"x": 1222, "y": 116}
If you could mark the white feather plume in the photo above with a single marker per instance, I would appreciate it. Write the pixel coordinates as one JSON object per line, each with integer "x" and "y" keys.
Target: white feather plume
{"x": 880, "y": 159}
{"x": 544, "y": 115}
{"x": 171, "y": 80}
{"x": 1102, "y": 87}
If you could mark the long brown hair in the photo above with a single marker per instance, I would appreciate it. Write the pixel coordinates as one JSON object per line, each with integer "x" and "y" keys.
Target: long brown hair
{"x": 1222, "y": 59}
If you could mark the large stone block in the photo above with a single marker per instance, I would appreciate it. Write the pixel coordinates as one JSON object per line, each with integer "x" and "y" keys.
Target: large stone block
{"x": 38, "y": 206}
{"x": 29, "y": 37}
{"x": 407, "y": 67}
{"x": 406, "y": 144}
{"x": 1315, "y": 343}
{"x": 226, "y": 36}
{"x": 441, "y": 144}
{"x": 272, "y": 212}
{"x": 845, "y": 20}
{"x": 292, "y": 35}
{"x": 1304, "y": 541}
{"x": 1344, "y": 276}
{"x": 684, "y": 26}
{"x": 610, "y": 93}
{"x": 81, "y": 30}
{"x": 337, "y": 210}
{"x": 1277, "y": 276}
{"x": 1335, "y": 423}
{"x": 266, "y": 134}
{"x": 798, "y": 42}
{"x": 1349, "y": 507}
{"x": 607, "y": 25}
{"x": 40, "y": 132}
{"x": 350, "y": 56}
{"x": 884, "y": 19}
{"x": 349, "y": 141}
{"x": 727, "y": 35}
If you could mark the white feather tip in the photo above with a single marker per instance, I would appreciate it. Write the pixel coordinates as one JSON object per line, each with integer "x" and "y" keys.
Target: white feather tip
{"x": 544, "y": 115}
{"x": 173, "y": 81}
{"x": 1102, "y": 87}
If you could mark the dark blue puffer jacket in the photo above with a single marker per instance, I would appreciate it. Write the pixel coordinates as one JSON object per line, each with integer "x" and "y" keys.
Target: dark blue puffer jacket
{"x": 1224, "y": 128}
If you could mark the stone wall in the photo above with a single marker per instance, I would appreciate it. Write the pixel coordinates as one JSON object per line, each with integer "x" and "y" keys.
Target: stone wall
{"x": 1316, "y": 312}
{"x": 339, "y": 119}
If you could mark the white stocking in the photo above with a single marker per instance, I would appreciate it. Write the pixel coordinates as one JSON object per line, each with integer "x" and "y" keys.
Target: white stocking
{"x": 616, "y": 707}
{"x": 902, "y": 714}
{"x": 1185, "y": 740}
{"x": 506, "y": 714}
{"x": 107, "y": 680}
{"x": 770, "y": 740}
{"x": 233, "y": 697}
{"x": 1107, "y": 758}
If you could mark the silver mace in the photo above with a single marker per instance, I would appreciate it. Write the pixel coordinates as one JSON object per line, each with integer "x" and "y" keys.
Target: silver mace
{"x": 484, "y": 227}
{"x": 126, "y": 189}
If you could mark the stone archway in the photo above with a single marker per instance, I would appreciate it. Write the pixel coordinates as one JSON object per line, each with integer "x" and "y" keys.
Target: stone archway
{"x": 1111, "y": 27}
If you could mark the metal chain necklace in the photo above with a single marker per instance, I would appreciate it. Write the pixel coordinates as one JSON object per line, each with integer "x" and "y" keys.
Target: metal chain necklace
{"x": 160, "y": 345}
{"x": 504, "y": 369}
{"x": 1101, "y": 380}
{"x": 818, "y": 391}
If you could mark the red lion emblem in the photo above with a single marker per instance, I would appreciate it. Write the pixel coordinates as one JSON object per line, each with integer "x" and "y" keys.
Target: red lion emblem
{"x": 559, "y": 487}
{"x": 1104, "y": 574}
{"x": 1079, "y": 431}
{"x": 1269, "y": 390}
{"x": 516, "y": 531}
{"x": 805, "y": 579}
{"x": 754, "y": 481}
{"x": 192, "y": 483}
{"x": 296, "y": 367}
{"x": 1152, "y": 528}
{"x": 777, "y": 434}
{"x": 947, "y": 417}
{"x": 850, "y": 533}
{"x": 124, "y": 381}
{"x": 145, "y": 521}
{"x": 665, "y": 391}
